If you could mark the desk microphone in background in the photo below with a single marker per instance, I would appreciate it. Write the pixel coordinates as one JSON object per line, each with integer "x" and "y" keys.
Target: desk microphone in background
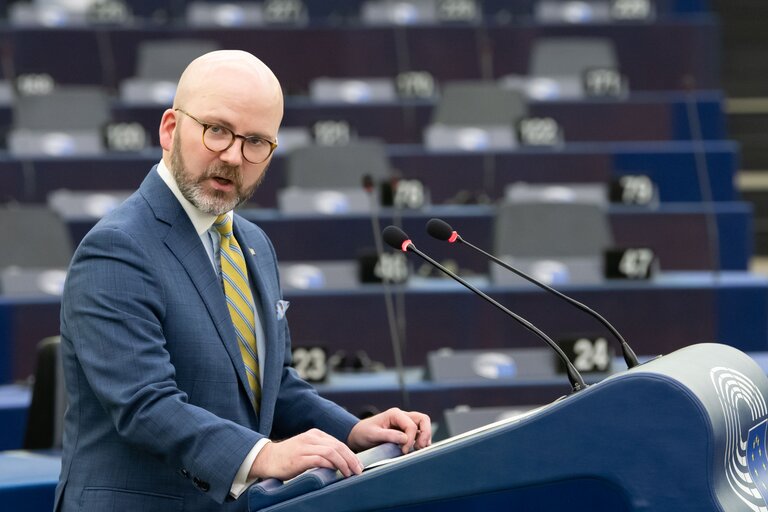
{"x": 441, "y": 230}
{"x": 394, "y": 331}
{"x": 702, "y": 172}
{"x": 396, "y": 238}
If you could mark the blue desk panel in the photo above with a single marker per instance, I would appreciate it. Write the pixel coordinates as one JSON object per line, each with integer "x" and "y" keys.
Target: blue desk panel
{"x": 656, "y": 317}
{"x": 670, "y": 165}
{"x": 14, "y": 403}
{"x": 676, "y": 232}
{"x": 24, "y": 323}
{"x": 652, "y": 116}
{"x": 107, "y": 55}
{"x": 28, "y": 480}
{"x": 348, "y": 11}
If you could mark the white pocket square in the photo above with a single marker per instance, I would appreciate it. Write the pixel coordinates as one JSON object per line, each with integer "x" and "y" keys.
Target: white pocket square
{"x": 281, "y": 307}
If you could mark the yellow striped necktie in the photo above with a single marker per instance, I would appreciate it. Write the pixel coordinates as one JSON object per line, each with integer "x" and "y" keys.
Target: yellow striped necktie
{"x": 239, "y": 301}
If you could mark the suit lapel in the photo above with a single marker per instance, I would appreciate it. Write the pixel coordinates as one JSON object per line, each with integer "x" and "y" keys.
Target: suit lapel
{"x": 183, "y": 241}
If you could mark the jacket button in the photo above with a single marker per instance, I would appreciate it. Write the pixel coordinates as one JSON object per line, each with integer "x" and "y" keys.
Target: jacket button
{"x": 183, "y": 472}
{"x": 200, "y": 484}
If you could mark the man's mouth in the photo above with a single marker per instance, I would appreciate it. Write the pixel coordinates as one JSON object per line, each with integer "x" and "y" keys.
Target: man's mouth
{"x": 222, "y": 184}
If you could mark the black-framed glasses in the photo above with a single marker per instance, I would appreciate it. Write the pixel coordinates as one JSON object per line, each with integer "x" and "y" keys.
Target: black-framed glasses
{"x": 219, "y": 138}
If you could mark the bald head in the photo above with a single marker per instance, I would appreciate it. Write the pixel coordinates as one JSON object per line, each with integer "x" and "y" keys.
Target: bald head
{"x": 230, "y": 90}
{"x": 227, "y": 72}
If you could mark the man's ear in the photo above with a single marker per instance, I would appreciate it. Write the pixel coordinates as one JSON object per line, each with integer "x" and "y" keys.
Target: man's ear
{"x": 167, "y": 127}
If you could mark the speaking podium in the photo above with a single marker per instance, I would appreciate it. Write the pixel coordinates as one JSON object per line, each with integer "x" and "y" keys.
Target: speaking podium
{"x": 684, "y": 432}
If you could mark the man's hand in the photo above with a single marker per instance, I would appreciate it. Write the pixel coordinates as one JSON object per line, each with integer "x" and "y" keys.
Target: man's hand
{"x": 312, "y": 449}
{"x": 411, "y": 430}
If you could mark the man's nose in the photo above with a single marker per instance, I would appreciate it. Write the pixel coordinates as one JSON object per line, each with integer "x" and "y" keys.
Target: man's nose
{"x": 234, "y": 154}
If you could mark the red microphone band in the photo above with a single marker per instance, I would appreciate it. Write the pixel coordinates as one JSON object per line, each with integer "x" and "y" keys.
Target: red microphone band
{"x": 453, "y": 237}
{"x": 405, "y": 245}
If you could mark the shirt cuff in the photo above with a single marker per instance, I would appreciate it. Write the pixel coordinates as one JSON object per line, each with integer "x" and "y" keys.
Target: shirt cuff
{"x": 241, "y": 482}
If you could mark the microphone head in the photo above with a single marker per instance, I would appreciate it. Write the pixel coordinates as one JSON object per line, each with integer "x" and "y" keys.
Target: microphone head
{"x": 396, "y": 238}
{"x": 441, "y": 230}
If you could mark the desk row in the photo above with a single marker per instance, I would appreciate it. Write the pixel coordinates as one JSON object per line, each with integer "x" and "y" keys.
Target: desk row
{"x": 640, "y": 117}
{"x": 674, "y": 168}
{"x": 691, "y": 236}
{"x": 680, "y": 51}
{"x": 657, "y": 316}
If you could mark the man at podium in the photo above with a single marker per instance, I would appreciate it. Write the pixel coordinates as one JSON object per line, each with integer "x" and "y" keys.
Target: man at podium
{"x": 175, "y": 342}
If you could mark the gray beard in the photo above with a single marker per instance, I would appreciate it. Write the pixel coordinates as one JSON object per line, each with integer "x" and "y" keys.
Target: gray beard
{"x": 213, "y": 202}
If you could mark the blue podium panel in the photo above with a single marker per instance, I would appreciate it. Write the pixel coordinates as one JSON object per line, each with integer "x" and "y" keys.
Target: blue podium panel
{"x": 669, "y": 435}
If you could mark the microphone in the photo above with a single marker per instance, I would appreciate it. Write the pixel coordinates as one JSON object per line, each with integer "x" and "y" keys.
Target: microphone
{"x": 702, "y": 172}
{"x": 441, "y": 230}
{"x": 394, "y": 331}
{"x": 397, "y": 239}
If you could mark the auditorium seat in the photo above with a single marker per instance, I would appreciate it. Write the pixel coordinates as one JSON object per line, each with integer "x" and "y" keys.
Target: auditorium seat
{"x": 337, "y": 166}
{"x": 558, "y": 69}
{"x": 221, "y": 15}
{"x": 62, "y": 13}
{"x": 556, "y": 241}
{"x": 352, "y": 90}
{"x": 591, "y": 193}
{"x": 475, "y": 116}
{"x": 595, "y": 11}
{"x": 559, "y": 11}
{"x": 67, "y": 121}
{"x": 159, "y": 64}
{"x": 80, "y": 205}
{"x": 33, "y": 237}
{"x": 37, "y": 251}
{"x": 411, "y": 12}
{"x": 45, "y": 420}
{"x": 329, "y": 179}
{"x": 637, "y": 47}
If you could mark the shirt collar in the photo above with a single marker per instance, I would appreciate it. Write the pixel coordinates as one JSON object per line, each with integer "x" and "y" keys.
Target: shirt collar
{"x": 200, "y": 220}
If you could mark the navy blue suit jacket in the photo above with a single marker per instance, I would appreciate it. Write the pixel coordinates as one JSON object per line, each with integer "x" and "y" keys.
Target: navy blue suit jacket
{"x": 160, "y": 414}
